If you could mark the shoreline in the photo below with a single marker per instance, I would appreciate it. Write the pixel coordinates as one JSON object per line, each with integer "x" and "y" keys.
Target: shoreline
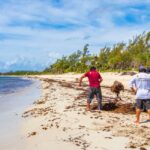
{"x": 59, "y": 120}
{"x": 12, "y": 107}
{"x": 20, "y": 88}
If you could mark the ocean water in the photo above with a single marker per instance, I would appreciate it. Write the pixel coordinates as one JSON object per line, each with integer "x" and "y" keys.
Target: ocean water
{"x": 16, "y": 95}
{"x": 12, "y": 84}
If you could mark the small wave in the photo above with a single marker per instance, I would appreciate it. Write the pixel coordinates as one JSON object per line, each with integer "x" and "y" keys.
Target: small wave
{"x": 12, "y": 84}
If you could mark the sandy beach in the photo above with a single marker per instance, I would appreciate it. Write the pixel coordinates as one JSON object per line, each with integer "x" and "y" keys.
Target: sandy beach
{"x": 59, "y": 120}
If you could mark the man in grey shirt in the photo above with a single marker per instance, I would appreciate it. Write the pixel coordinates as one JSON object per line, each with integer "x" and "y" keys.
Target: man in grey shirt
{"x": 140, "y": 85}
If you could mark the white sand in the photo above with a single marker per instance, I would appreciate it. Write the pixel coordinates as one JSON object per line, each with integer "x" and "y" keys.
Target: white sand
{"x": 58, "y": 120}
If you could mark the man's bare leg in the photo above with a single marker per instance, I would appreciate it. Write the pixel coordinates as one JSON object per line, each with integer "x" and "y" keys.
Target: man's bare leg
{"x": 99, "y": 105}
{"x": 138, "y": 112}
{"x": 148, "y": 114}
{"x": 88, "y": 107}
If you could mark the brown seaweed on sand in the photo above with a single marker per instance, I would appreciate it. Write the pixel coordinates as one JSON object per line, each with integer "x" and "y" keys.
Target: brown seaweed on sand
{"x": 32, "y": 134}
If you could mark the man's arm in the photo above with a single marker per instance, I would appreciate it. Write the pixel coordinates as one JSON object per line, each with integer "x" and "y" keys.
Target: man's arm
{"x": 134, "y": 90}
{"x": 132, "y": 85}
{"x": 100, "y": 78}
{"x": 81, "y": 78}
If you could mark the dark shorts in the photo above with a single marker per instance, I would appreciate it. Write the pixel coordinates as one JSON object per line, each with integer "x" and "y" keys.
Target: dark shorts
{"x": 140, "y": 103}
{"x": 94, "y": 91}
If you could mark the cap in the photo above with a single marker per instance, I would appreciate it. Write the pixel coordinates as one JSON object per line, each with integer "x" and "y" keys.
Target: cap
{"x": 142, "y": 69}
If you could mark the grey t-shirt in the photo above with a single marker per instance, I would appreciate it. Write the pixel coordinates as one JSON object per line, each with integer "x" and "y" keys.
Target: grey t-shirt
{"x": 141, "y": 81}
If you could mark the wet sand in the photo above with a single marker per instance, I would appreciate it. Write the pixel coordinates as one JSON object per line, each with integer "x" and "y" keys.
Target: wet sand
{"x": 12, "y": 106}
{"x": 58, "y": 120}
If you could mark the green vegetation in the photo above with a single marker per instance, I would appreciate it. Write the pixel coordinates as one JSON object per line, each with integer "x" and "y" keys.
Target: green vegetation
{"x": 20, "y": 73}
{"x": 117, "y": 58}
{"x": 120, "y": 57}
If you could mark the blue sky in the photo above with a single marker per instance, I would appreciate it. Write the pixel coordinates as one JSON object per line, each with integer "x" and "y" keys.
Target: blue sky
{"x": 34, "y": 33}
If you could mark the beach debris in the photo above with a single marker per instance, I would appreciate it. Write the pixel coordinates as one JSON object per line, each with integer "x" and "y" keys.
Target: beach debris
{"x": 109, "y": 106}
{"x": 143, "y": 148}
{"x": 81, "y": 95}
{"x": 108, "y": 137}
{"x": 47, "y": 86}
{"x": 107, "y": 128}
{"x": 81, "y": 126}
{"x": 35, "y": 112}
{"x": 79, "y": 141}
{"x": 44, "y": 128}
{"x": 77, "y": 80}
{"x": 131, "y": 73}
{"x": 39, "y": 102}
{"x": 64, "y": 129}
{"x": 132, "y": 145}
{"x": 114, "y": 123}
{"x": 32, "y": 134}
{"x": 116, "y": 88}
{"x": 127, "y": 108}
{"x": 138, "y": 136}
{"x": 68, "y": 107}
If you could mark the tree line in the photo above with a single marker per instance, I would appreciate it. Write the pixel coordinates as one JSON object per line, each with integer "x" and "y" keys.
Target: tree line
{"x": 21, "y": 73}
{"x": 119, "y": 57}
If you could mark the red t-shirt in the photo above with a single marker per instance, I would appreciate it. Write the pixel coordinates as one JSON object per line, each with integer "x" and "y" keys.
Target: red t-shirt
{"x": 94, "y": 78}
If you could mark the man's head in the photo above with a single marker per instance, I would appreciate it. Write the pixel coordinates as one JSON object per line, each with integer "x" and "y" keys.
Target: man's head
{"x": 142, "y": 69}
{"x": 92, "y": 68}
{"x": 148, "y": 70}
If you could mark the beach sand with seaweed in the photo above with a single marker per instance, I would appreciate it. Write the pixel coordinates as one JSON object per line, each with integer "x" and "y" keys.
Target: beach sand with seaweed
{"x": 58, "y": 120}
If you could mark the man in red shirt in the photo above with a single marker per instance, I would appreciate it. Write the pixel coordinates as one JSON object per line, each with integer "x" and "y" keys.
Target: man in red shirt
{"x": 94, "y": 86}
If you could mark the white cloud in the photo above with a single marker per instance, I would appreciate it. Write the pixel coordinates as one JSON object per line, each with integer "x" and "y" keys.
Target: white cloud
{"x": 53, "y": 55}
{"x": 36, "y": 24}
{"x": 21, "y": 63}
